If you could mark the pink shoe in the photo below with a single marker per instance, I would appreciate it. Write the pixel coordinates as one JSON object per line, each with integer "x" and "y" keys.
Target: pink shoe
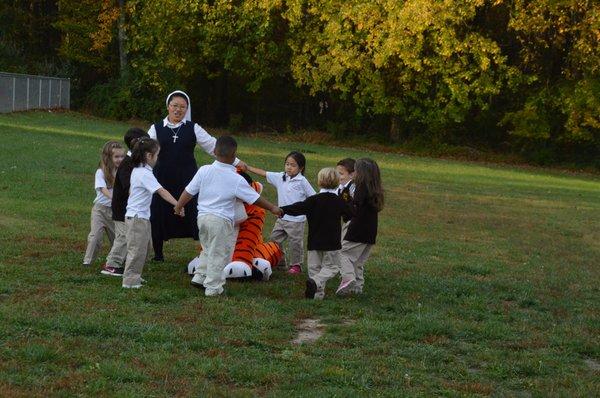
{"x": 295, "y": 269}
{"x": 345, "y": 287}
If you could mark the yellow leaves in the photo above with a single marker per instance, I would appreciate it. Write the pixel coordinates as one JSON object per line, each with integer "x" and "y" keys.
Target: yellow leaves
{"x": 106, "y": 21}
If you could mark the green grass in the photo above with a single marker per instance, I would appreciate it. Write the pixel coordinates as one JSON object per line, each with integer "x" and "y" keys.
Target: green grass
{"x": 484, "y": 281}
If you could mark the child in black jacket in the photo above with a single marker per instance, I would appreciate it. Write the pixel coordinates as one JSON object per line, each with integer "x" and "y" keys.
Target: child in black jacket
{"x": 323, "y": 211}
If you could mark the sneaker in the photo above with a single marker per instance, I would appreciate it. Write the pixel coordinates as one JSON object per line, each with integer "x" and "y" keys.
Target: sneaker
{"x": 213, "y": 293}
{"x": 197, "y": 281}
{"x": 295, "y": 269}
{"x": 132, "y": 286}
{"x": 311, "y": 289}
{"x": 345, "y": 287}
{"x": 158, "y": 259}
{"x": 114, "y": 271}
{"x": 86, "y": 265}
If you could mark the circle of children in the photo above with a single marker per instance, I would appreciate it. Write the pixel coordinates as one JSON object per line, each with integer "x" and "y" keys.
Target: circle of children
{"x": 342, "y": 217}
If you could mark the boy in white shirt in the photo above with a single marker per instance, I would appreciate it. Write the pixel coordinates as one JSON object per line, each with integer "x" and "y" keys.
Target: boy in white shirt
{"x": 218, "y": 185}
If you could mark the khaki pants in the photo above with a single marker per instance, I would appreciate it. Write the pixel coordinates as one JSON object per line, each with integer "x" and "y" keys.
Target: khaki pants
{"x": 138, "y": 237}
{"x": 322, "y": 266}
{"x": 101, "y": 220}
{"x": 217, "y": 237}
{"x": 345, "y": 226}
{"x": 118, "y": 252}
{"x": 294, "y": 232}
{"x": 354, "y": 255}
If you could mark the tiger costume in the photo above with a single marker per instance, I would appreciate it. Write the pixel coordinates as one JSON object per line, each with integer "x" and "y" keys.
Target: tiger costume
{"x": 252, "y": 258}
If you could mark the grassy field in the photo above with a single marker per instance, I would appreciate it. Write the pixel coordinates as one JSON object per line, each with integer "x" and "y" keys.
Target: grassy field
{"x": 485, "y": 281}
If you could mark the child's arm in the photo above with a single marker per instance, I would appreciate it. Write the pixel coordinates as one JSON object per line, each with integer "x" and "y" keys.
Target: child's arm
{"x": 265, "y": 204}
{"x": 166, "y": 195}
{"x": 298, "y": 208}
{"x": 106, "y": 192}
{"x": 256, "y": 170}
{"x": 348, "y": 211}
{"x": 183, "y": 200}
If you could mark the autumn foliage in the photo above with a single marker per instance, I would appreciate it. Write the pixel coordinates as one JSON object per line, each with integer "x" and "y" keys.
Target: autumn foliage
{"x": 520, "y": 76}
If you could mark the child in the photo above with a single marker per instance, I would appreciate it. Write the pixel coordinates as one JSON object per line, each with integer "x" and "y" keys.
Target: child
{"x": 218, "y": 185}
{"x": 112, "y": 156}
{"x": 291, "y": 187}
{"x": 323, "y": 211}
{"x": 345, "y": 169}
{"x": 143, "y": 185}
{"x": 115, "y": 262}
{"x": 362, "y": 231}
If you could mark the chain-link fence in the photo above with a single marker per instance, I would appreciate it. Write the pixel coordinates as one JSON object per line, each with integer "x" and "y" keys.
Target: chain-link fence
{"x": 22, "y": 92}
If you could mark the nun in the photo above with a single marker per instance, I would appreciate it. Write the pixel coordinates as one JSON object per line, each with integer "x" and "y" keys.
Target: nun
{"x": 175, "y": 168}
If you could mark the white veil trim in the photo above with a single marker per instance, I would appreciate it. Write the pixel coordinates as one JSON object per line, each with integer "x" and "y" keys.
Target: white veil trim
{"x": 188, "y": 113}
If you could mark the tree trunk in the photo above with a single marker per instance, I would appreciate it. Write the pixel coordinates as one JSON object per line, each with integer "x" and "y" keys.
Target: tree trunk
{"x": 394, "y": 129}
{"x": 124, "y": 67}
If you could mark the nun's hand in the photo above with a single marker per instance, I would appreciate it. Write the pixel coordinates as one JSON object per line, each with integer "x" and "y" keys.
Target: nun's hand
{"x": 242, "y": 166}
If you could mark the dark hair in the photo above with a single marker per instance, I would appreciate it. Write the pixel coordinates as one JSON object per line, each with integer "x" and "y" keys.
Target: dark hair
{"x": 178, "y": 95}
{"x": 348, "y": 164}
{"x": 246, "y": 177}
{"x": 132, "y": 135}
{"x": 368, "y": 177}
{"x": 141, "y": 148}
{"x": 300, "y": 160}
{"x": 225, "y": 146}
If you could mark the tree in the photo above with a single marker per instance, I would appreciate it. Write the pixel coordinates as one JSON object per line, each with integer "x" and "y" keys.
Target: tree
{"x": 416, "y": 60}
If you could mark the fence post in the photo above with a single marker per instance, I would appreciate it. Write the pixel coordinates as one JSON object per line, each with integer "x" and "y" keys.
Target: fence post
{"x": 40, "y": 95}
{"x": 27, "y": 106}
{"x": 60, "y": 93}
{"x": 14, "y": 88}
{"x": 50, "y": 93}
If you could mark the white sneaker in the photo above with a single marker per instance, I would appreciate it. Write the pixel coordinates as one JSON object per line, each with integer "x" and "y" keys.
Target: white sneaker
{"x": 126, "y": 286}
{"x": 198, "y": 281}
{"x": 213, "y": 293}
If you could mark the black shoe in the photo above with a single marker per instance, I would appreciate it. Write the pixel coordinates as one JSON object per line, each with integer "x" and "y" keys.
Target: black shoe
{"x": 311, "y": 289}
{"x": 158, "y": 259}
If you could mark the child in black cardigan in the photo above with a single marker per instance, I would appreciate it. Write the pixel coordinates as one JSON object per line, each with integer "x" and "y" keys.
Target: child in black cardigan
{"x": 323, "y": 211}
{"x": 362, "y": 230}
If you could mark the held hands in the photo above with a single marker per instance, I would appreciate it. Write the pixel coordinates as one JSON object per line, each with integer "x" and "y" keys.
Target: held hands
{"x": 242, "y": 166}
{"x": 277, "y": 211}
{"x": 179, "y": 211}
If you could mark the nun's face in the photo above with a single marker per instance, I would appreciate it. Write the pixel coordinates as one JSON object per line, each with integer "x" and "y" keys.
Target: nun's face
{"x": 177, "y": 108}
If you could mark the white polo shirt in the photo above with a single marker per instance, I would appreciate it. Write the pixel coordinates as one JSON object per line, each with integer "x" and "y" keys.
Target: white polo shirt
{"x": 290, "y": 191}
{"x": 100, "y": 183}
{"x": 218, "y": 185}
{"x": 143, "y": 186}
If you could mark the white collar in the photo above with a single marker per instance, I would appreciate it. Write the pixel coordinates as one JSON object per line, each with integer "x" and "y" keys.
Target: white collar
{"x": 148, "y": 167}
{"x": 347, "y": 183}
{"x": 167, "y": 123}
{"x": 297, "y": 176}
{"x": 129, "y": 153}
{"x": 333, "y": 191}
{"x": 224, "y": 165}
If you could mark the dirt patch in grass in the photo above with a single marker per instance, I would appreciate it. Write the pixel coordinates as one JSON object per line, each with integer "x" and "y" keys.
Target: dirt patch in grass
{"x": 309, "y": 331}
{"x": 592, "y": 364}
{"x": 471, "y": 388}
